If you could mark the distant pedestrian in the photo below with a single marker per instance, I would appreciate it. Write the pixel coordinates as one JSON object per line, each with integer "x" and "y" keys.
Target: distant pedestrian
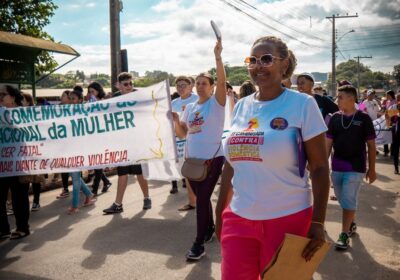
{"x": 305, "y": 84}
{"x": 96, "y": 93}
{"x": 371, "y": 105}
{"x": 76, "y": 97}
{"x": 11, "y": 97}
{"x": 247, "y": 88}
{"x": 349, "y": 132}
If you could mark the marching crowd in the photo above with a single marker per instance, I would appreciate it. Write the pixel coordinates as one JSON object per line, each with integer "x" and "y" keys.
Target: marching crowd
{"x": 273, "y": 164}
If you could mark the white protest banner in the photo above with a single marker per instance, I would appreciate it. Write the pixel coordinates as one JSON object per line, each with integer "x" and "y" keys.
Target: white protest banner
{"x": 383, "y": 133}
{"x": 131, "y": 128}
{"x": 171, "y": 170}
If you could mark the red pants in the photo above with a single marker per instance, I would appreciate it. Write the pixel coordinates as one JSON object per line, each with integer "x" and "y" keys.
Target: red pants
{"x": 247, "y": 246}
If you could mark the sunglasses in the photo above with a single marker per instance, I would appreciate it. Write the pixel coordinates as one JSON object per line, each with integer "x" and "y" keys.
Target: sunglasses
{"x": 266, "y": 60}
{"x": 181, "y": 85}
{"x": 127, "y": 84}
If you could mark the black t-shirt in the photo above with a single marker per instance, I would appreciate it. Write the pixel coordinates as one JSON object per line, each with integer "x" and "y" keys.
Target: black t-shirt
{"x": 349, "y": 141}
{"x": 325, "y": 105}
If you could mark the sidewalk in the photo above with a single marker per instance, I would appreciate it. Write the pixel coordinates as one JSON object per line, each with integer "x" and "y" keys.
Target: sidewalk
{"x": 152, "y": 244}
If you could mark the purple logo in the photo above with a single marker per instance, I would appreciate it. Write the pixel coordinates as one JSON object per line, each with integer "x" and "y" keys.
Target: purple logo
{"x": 279, "y": 124}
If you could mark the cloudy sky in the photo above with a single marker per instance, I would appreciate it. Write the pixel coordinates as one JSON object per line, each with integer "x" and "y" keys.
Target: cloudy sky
{"x": 175, "y": 35}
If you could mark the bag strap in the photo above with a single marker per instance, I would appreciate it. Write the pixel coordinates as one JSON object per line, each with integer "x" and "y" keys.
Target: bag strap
{"x": 219, "y": 147}
{"x": 186, "y": 148}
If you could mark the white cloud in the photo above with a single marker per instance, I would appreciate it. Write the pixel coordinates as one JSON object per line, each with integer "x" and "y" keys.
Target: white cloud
{"x": 167, "y": 6}
{"x": 90, "y": 5}
{"x": 180, "y": 40}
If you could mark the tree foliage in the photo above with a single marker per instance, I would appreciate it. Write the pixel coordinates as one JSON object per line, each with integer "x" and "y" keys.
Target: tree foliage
{"x": 349, "y": 71}
{"x": 29, "y": 17}
{"x": 396, "y": 73}
{"x": 153, "y": 77}
{"x": 236, "y": 75}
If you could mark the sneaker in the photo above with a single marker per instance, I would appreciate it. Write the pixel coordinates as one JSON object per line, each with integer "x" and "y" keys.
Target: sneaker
{"x": 106, "y": 187}
{"x": 174, "y": 188}
{"x": 196, "y": 252}
{"x": 343, "y": 242}
{"x": 35, "y": 207}
{"x": 114, "y": 209}
{"x": 63, "y": 194}
{"x": 353, "y": 229}
{"x": 146, "y": 203}
{"x": 4, "y": 235}
{"x": 209, "y": 235}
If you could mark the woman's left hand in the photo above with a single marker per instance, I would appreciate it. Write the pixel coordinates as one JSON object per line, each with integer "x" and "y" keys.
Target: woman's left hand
{"x": 317, "y": 235}
{"x": 218, "y": 49}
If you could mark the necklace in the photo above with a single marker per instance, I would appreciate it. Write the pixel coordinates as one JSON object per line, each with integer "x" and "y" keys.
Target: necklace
{"x": 346, "y": 127}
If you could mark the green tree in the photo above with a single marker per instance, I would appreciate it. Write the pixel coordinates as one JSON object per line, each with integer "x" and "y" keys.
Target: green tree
{"x": 349, "y": 71}
{"x": 29, "y": 17}
{"x": 80, "y": 76}
{"x": 396, "y": 73}
{"x": 152, "y": 77}
{"x": 236, "y": 75}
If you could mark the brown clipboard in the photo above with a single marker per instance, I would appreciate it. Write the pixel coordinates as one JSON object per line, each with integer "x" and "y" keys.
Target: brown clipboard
{"x": 288, "y": 263}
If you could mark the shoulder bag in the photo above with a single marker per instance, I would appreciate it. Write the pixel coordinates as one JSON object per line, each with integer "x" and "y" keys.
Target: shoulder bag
{"x": 196, "y": 169}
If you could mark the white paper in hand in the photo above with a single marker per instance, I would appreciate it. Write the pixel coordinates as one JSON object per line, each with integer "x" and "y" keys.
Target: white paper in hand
{"x": 216, "y": 30}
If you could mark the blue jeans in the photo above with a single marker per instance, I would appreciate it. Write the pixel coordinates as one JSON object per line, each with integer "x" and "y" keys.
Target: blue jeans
{"x": 347, "y": 186}
{"x": 77, "y": 185}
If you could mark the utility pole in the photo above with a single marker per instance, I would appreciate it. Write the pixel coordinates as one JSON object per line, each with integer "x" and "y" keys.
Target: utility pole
{"x": 115, "y": 41}
{"x": 334, "y": 17}
{"x": 358, "y": 70}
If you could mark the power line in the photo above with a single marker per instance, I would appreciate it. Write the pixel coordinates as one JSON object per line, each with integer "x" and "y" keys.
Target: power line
{"x": 334, "y": 17}
{"x": 374, "y": 47}
{"x": 366, "y": 37}
{"x": 269, "y": 26}
{"x": 279, "y": 22}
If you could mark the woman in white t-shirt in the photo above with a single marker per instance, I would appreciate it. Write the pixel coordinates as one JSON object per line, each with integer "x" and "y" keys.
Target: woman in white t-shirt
{"x": 264, "y": 190}
{"x": 202, "y": 123}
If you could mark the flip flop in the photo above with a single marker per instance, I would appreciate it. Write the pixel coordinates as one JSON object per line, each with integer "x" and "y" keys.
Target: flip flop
{"x": 19, "y": 234}
{"x": 186, "y": 207}
{"x": 72, "y": 211}
{"x": 89, "y": 202}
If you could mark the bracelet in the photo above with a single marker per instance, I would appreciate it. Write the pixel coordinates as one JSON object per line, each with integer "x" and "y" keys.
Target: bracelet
{"x": 319, "y": 223}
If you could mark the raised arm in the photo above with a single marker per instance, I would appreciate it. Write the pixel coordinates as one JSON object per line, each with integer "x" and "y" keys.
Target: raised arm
{"x": 220, "y": 93}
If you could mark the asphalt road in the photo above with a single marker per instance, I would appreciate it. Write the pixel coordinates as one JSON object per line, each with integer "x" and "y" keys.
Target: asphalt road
{"x": 151, "y": 244}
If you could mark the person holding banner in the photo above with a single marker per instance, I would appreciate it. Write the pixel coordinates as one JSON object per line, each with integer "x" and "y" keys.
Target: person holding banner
{"x": 64, "y": 176}
{"x": 11, "y": 97}
{"x": 395, "y": 124}
{"x": 125, "y": 86}
{"x": 202, "y": 123}
{"x": 96, "y": 93}
{"x": 184, "y": 87}
{"x": 265, "y": 191}
{"x": 76, "y": 97}
{"x": 349, "y": 132}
